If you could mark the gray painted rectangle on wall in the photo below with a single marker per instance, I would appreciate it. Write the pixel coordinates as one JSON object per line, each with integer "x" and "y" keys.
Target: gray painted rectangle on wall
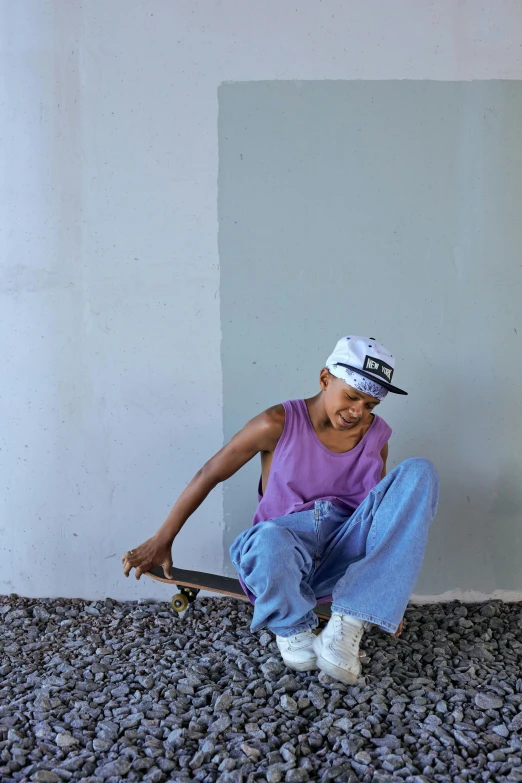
{"x": 393, "y": 209}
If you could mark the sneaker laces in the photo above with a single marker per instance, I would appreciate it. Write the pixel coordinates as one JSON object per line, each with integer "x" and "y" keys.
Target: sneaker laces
{"x": 300, "y": 637}
{"x": 347, "y": 636}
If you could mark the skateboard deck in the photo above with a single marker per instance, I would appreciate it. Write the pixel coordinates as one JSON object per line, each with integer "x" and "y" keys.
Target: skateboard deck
{"x": 189, "y": 583}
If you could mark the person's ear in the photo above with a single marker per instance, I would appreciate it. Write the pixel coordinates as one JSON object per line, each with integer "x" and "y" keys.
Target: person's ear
{"x": 324, "y": 379}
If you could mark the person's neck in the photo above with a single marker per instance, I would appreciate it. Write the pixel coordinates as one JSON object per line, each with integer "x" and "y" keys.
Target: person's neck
{"x": 317, "y": 411}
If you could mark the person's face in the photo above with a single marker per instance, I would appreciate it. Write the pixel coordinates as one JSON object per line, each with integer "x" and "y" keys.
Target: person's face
{"x": 345, "y": 406}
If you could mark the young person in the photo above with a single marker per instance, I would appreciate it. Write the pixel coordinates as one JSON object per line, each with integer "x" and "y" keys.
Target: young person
{"x": 330, "y": 524}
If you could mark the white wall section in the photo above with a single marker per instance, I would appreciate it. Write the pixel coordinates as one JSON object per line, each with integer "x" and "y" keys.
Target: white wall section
{"x": 110, "y": 375}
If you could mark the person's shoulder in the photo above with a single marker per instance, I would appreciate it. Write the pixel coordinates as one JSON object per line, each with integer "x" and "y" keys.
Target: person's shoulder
{"x": 267, "y": 427}
{"x": 273, "y": 418}
{"x": 382, "y": 426}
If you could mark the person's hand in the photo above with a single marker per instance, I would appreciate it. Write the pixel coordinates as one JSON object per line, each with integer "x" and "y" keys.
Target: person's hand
{"x": 152, "y": 553}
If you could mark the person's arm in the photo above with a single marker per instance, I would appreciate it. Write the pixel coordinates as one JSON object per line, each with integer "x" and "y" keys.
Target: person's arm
{"x": 384, "y": 455}
{"x": 260, "y": 434}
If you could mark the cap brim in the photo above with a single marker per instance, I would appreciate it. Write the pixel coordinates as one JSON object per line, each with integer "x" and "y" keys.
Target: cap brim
{"x": 384, "y": 384}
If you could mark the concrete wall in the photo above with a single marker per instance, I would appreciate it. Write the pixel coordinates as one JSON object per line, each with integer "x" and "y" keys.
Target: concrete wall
{"x": 110, "y": 327}
{"x": 389, "y": 208}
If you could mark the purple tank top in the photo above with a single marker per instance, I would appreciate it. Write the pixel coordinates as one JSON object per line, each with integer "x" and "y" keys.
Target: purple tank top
{"x": 303, "y": 470}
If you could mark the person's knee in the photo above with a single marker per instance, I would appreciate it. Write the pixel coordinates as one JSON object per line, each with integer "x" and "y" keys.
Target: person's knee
{"x": 268, "y": 547}
{"x": 421, "y": 468}
{"x": 269, "y": 532}
{"x": 263, "y": 537}
{"x": 423, "y": 475}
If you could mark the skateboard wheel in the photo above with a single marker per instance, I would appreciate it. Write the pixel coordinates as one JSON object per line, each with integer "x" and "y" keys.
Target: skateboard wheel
{"x": 179, "y": 602}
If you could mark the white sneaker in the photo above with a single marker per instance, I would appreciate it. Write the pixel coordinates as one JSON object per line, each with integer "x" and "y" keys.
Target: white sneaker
{"x": 337, "y": 647}
{"x": 298, "y": 651}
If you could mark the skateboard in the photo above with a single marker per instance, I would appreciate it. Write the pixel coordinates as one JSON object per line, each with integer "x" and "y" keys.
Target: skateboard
{"x": 189, "y": 583}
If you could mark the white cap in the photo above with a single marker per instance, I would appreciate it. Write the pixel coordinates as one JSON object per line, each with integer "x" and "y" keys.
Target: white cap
{"x": 364, "y": 364}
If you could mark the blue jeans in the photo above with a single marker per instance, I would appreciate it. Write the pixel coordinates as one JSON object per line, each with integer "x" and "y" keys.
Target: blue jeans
{"x": 368, "y": 561}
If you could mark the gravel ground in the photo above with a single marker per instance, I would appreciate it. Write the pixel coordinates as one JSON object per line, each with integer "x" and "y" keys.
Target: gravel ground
{"x": 109, "y": 691}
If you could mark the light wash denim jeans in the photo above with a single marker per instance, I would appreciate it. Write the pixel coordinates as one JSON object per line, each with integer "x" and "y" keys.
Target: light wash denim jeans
{"x": 368, "y": 561}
